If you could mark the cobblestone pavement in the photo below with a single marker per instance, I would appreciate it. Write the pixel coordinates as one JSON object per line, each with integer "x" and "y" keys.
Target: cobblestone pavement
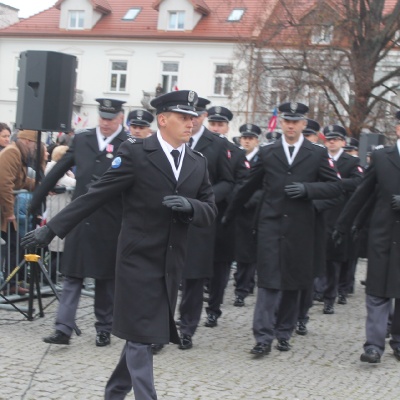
{"x": 323, "y": 365}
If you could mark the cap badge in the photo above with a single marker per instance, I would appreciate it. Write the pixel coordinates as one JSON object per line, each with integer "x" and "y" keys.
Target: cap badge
{"x": 139, "y": 113}
{"x": 218, "y": 110}
{"x": 107, "y": 103}
{"x": 293, "y": 107}
{"x": 248, "y": 127}
{"x": 330, "y": 128}
{"x": 348, "y": 141}
{"x": 191, "y": 96}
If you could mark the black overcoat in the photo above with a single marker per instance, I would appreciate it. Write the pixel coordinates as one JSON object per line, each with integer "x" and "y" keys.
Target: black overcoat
{"x": 351, "y": 173}
{"x": 90, "y": 248}
{"x": 152, "y": 242}
{"x": 285, "y": 237}
{"x": 382, "y": 180}
{"x": 201, "y": 241}
{"x": 224, "y": 251}
{"x": 245, "y": 239}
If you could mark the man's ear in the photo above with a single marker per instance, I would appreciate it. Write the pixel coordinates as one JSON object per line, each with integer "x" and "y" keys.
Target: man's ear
{"x": 161, "y": 119}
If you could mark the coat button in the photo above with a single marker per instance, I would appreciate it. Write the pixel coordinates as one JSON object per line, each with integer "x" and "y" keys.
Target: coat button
{"x": 285, "y": 215}
{"x": 167, "y": 275}
{"x": 289, "y": 173}
{"x": 176, "y": 192}
{"x": 170, "y": 247}
{"x": 174, "y": 221}
{"x": 97, "y": 160}
{"x": 394, "y": 242}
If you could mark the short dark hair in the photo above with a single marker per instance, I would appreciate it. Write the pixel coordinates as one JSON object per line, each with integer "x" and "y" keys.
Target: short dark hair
{"x": 4, "y": 126}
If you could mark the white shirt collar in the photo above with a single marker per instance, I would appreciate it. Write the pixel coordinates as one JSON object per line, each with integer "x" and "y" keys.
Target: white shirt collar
{"x": 398, "y": 145}
{"x": 167, "y": 148}
{"x": 337, "y": 155}
{"x": 296, "y": 145}
{"x": 104, "y": 142}
{"x": 252, "y": 154}
{"x": 197, "y": 136}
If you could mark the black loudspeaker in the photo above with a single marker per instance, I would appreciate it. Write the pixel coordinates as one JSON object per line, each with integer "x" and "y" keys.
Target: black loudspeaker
{"x": 46, "y": 90}
{"x": 368, "y": 141}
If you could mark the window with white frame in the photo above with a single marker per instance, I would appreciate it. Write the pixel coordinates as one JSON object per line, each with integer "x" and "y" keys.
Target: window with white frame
{"x": 169, "y": 76}
{"x": 322, "y": 34}
{"x": 131, "y": 14}
{"x": 223, "y": 79}
{"x": 76, "y": 19}
{"x": 118, "y": 78}
{"x": 236, "y": 14}
{"x": 176, "y": 20}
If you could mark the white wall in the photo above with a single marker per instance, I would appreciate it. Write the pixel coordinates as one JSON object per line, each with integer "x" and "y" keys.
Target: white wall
{"x": 196, "y": 69}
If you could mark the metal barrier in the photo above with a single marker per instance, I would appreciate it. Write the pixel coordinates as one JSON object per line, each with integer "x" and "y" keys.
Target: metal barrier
{"x": 11, "y": 254}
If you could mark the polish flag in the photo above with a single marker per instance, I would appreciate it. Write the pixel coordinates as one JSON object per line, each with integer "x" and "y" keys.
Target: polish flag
{"x": 273, "y": 120}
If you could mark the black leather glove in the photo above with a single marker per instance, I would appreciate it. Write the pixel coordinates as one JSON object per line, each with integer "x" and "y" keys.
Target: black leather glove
{"x": 178, "y": 203}
{"x": 396, "y": 202}
{"x": 59, "y": 189}
{"x": 40, "y": 237}
{"x": 224, "y": 221}
{"x": 337, "y": 237}
{"x": 296, "y": 190}
{"x": 355, "y": 232}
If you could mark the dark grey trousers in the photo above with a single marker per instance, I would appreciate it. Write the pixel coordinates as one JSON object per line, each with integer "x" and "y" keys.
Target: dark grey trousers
{"x": 191, "y": 305}
{"x": 275, "y": 314}
{"x": 134, "y": 370}
{"x": 378, "y": 310}
{"x": 103, "y": 304}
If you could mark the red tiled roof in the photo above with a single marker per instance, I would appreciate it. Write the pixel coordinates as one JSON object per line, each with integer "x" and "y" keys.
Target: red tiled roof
{"x": 261, "y": 17}
{"x": 199, "y": 5}
{"x": 214, "y": 26}
{"x": 99, "y": 5}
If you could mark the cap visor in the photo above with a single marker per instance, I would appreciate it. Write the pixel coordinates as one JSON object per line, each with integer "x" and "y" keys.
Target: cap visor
{"x": 107, "y": 115}
{"x": 181, "y": 111}
{"x": 139, "y": 123}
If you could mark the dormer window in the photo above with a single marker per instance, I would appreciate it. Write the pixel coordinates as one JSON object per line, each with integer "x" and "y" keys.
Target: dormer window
{"x": 76, "y": 19}
{"x": 176, "y": 20}
{"x": 322, "y": 34}
{"x": 236, "y": 15}
{"x": 131, "y": 14}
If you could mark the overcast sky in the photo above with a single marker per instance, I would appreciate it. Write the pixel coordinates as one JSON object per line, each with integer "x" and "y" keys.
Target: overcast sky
{"x": 29, "y": 7}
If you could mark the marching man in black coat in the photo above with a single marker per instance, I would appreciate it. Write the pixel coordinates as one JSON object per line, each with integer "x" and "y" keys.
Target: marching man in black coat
{"x": 292, "y": 172}
{"x": 86, "y": 254}
{"x": 200, "y": 253}
{"x": 165, "y": 188}
{"x": 382, "y": 180}
{"x": 351, "y": 174}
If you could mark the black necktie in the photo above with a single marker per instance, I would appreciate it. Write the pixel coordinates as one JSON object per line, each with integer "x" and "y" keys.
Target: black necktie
{"x": 190, "y": 142}
{"x": 176, "y": 154}
{"x": 291, "y": 149}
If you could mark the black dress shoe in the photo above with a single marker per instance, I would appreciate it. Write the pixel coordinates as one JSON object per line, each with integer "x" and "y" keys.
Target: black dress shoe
{"x": 186, "y": 342}
{"x": 371, "y": 356}
{"x": 283, "y": 345}
{"x": 103, "y": 339}
{"x": 396, "y": 353}
{"x": 301, "y": 328}
{"x": 239, "y": 301}
{"x": 261, "y": 349}
{"x": 156, "y": 348}
{"x": 57, "y": 337}
{"x": 328, "y": 309}
{"x": 318, "y": 297}
{"x": 211, "y": 321}
{"x": 342, "y": 299}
